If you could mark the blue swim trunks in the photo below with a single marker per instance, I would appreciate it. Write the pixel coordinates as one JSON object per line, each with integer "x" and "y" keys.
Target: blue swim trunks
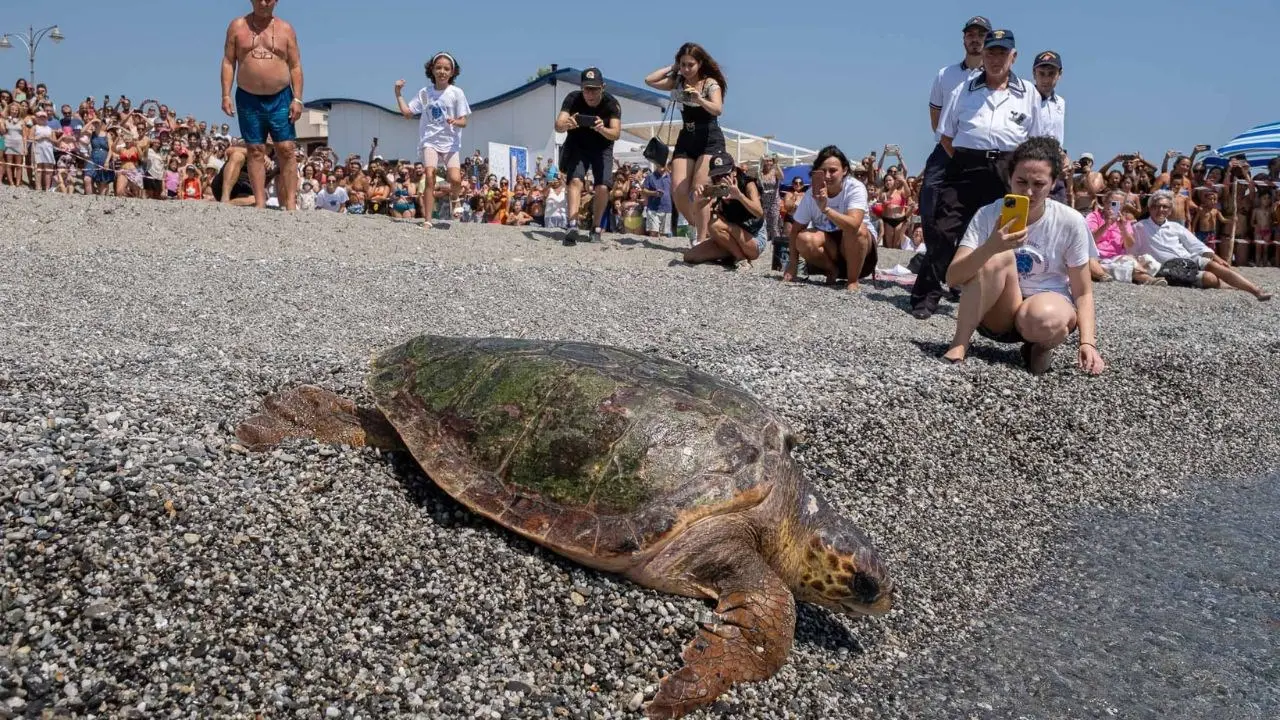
{"x": 263, "y": 114}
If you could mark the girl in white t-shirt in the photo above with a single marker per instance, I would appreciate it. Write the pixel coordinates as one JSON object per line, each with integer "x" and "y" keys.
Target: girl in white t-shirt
{"x": 443, "y": 111}
{"x": 554, "y": 213}
{"x": 1032, "y": 286}
{"x": 828, "y": 227}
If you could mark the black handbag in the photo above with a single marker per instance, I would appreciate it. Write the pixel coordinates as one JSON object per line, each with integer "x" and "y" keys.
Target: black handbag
{"x": 656, "y": 151}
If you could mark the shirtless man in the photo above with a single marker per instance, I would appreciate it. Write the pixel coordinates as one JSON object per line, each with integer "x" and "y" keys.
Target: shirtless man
{"x": 1087, "y": 184}
{"x": 261, "y": 55}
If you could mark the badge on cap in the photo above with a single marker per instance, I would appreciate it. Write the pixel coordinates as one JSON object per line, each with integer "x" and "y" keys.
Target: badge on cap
{"x": 999, "y": 34}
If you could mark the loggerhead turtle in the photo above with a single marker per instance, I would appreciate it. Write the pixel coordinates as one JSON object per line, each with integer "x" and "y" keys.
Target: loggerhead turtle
{"x": 623, "y": 463}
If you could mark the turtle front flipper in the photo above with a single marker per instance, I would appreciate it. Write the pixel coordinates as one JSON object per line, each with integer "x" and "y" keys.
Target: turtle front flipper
{"x": 756, "y": 616}
{"x": 308, "y": 411}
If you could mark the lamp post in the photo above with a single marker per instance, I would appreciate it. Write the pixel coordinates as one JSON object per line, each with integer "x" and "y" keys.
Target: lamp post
{"x": 32, "y": 41}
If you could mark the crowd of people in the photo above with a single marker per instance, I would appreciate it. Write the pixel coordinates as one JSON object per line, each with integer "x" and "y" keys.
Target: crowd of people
{"x": 1180, "y": 222}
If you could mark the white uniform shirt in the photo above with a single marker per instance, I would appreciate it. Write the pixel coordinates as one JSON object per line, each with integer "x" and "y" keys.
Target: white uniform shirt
{"x": 436, "y": 107}
{"x": 1060, "y": 239}
{"x": 853, "y": 196}
{"x": 977, "y": 118}
{"x": 1053, "y": 116}
{"x": 1166, "y": 242}
{"x": 948, "y": 79}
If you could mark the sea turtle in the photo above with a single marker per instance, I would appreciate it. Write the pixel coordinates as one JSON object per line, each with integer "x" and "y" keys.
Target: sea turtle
{"x": 624, "y": 463}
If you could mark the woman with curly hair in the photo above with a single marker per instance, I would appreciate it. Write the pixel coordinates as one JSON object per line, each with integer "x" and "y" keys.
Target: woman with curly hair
{"x": 697, "y": 83}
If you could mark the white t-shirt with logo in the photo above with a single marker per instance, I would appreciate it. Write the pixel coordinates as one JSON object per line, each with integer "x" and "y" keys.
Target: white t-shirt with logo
{"x": 853, "y": 196}
{"x": 1060, "y": 239}
{"x": 333, "y": 201}
{"x": 435, "y": 108}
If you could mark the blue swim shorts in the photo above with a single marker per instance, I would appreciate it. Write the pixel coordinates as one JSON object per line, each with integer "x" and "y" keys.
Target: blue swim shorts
{"x": 263, "y": 114}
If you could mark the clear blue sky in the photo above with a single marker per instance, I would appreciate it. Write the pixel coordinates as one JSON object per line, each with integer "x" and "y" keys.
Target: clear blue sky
{"x": 1141, "y": 76}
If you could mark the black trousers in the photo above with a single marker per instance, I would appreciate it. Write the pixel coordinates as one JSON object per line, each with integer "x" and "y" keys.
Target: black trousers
{"x": 935, "y": 170}
{"x": 973, "y": 179}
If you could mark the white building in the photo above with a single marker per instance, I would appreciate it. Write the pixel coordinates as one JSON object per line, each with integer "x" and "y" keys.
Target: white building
{"x": 520, "y": 118}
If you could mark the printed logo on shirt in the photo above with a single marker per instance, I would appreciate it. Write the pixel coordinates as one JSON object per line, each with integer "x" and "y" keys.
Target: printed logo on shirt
{"x": 437, "y": 111}
{"x": 1029, "y": 262}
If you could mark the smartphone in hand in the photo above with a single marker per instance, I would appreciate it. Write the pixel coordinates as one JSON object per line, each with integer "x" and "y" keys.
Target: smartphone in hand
{"x": 585, "y": 121}
{"x": 718, "y": 191}
{"x": 1017, "y": 208}
{"x": 1202, "y": 148}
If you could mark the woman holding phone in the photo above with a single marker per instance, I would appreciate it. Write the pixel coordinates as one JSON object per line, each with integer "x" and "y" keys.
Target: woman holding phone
{"x": 696, "y": 82}
{"x": 738, "y": 231}
{"x": 829, "y": 228}
{"x": 1029, "y": 285}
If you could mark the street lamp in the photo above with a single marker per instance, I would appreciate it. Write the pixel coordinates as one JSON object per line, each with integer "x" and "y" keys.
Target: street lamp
{"x": 32, "y": 41}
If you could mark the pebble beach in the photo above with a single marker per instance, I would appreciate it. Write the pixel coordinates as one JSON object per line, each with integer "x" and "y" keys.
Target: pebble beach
{"x": 1063, "y": 546}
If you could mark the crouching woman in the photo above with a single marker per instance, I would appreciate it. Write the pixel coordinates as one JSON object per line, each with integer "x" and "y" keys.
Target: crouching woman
{"x": 736, "y": 231}
{"x": 829, "y": 228}
{"x": 1032, "y": 286}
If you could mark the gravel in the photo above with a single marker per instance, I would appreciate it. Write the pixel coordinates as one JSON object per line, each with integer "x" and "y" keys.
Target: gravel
{"x": 153, "y": 568}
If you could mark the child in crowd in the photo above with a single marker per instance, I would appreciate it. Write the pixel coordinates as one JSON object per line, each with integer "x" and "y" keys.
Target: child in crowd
{"x": 191, "y": 187}
{"x": 307, "y": 197}
{"x": 1209, "y": 219}
{"x": 1261, "y": 222}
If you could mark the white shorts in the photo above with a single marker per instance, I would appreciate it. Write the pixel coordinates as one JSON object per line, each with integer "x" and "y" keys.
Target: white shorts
{"x": 433, "y": 158}
{"x": 658, "y": 222}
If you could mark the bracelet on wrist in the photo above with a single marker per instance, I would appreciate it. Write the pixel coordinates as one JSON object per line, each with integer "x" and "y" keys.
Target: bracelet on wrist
{"x": 1095, "y": 347}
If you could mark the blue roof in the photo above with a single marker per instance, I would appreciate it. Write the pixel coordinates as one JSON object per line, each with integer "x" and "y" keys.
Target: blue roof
{"x": 623, "y": 90}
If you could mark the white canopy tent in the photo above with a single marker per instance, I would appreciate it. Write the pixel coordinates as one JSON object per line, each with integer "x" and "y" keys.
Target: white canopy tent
{"x": 744, "y": 147}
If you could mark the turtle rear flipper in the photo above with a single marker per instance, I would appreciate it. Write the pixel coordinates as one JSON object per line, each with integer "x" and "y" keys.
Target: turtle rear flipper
{"x": 757, "y": 620}
{"x": 308, "y": 411}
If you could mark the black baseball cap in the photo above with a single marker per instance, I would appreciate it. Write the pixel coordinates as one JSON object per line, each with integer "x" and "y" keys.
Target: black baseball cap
{"x": 978, "y": 21}
{"x": 591, "y": 78}
{"x": 1000, "y": 38}
{"x": 721, "y": 164}
{"x": 1049, "y": 57}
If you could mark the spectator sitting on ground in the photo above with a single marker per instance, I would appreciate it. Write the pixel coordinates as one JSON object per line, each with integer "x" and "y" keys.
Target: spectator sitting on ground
{"x": 333, "y": 197}
{"x": 736, "y": 231}
{"x": 1112, "y": 227}
{"x": 555, "y": 211}
{"x": 239, "y": 192}
{"x": 1031, "y": 286}
{"x": 829, "y": 227}
{"x": 1184, "y": 260}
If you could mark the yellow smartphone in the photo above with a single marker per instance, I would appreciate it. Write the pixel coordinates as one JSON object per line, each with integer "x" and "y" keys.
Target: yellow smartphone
{"x": 1016, "y": 208}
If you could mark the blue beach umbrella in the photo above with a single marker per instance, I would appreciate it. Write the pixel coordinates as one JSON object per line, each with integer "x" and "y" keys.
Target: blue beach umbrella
{"x": 1260, "y": 145}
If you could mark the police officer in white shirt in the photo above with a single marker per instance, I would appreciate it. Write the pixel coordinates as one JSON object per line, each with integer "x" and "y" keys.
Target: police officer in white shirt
{"x": 948, "y": 79}
{"x": 982, "y": 122}
{"x": 1053, "y": 109}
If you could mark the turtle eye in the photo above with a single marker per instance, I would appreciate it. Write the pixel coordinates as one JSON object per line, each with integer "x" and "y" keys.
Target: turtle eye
{"x": 866, "y": 588}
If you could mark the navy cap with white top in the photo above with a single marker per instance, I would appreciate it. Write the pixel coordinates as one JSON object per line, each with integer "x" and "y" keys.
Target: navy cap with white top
{"x": 978, "y": 21}
{"x": 1049, "y": 57}
{"x": 591, "y": 78}
{"x": 1000, "y": 38}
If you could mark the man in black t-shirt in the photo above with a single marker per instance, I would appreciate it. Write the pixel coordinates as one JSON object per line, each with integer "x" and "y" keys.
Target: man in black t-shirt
{"x": 592, "y": 119}
{"x": 240, "y": 191}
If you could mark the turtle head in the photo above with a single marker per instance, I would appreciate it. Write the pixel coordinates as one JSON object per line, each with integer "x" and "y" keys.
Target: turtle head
{"x": 836, "y": 565}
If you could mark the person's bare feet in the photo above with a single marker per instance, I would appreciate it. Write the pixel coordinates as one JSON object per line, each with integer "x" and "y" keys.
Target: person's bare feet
{"x": 853, "y": 286}
{"x": 955, "y": 354}
{"x": 1263, "y": 296}
{"x": 1037, "y": 357}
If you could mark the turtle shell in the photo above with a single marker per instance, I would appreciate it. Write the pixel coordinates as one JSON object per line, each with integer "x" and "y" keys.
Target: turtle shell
{"x": 597, "y": 452}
